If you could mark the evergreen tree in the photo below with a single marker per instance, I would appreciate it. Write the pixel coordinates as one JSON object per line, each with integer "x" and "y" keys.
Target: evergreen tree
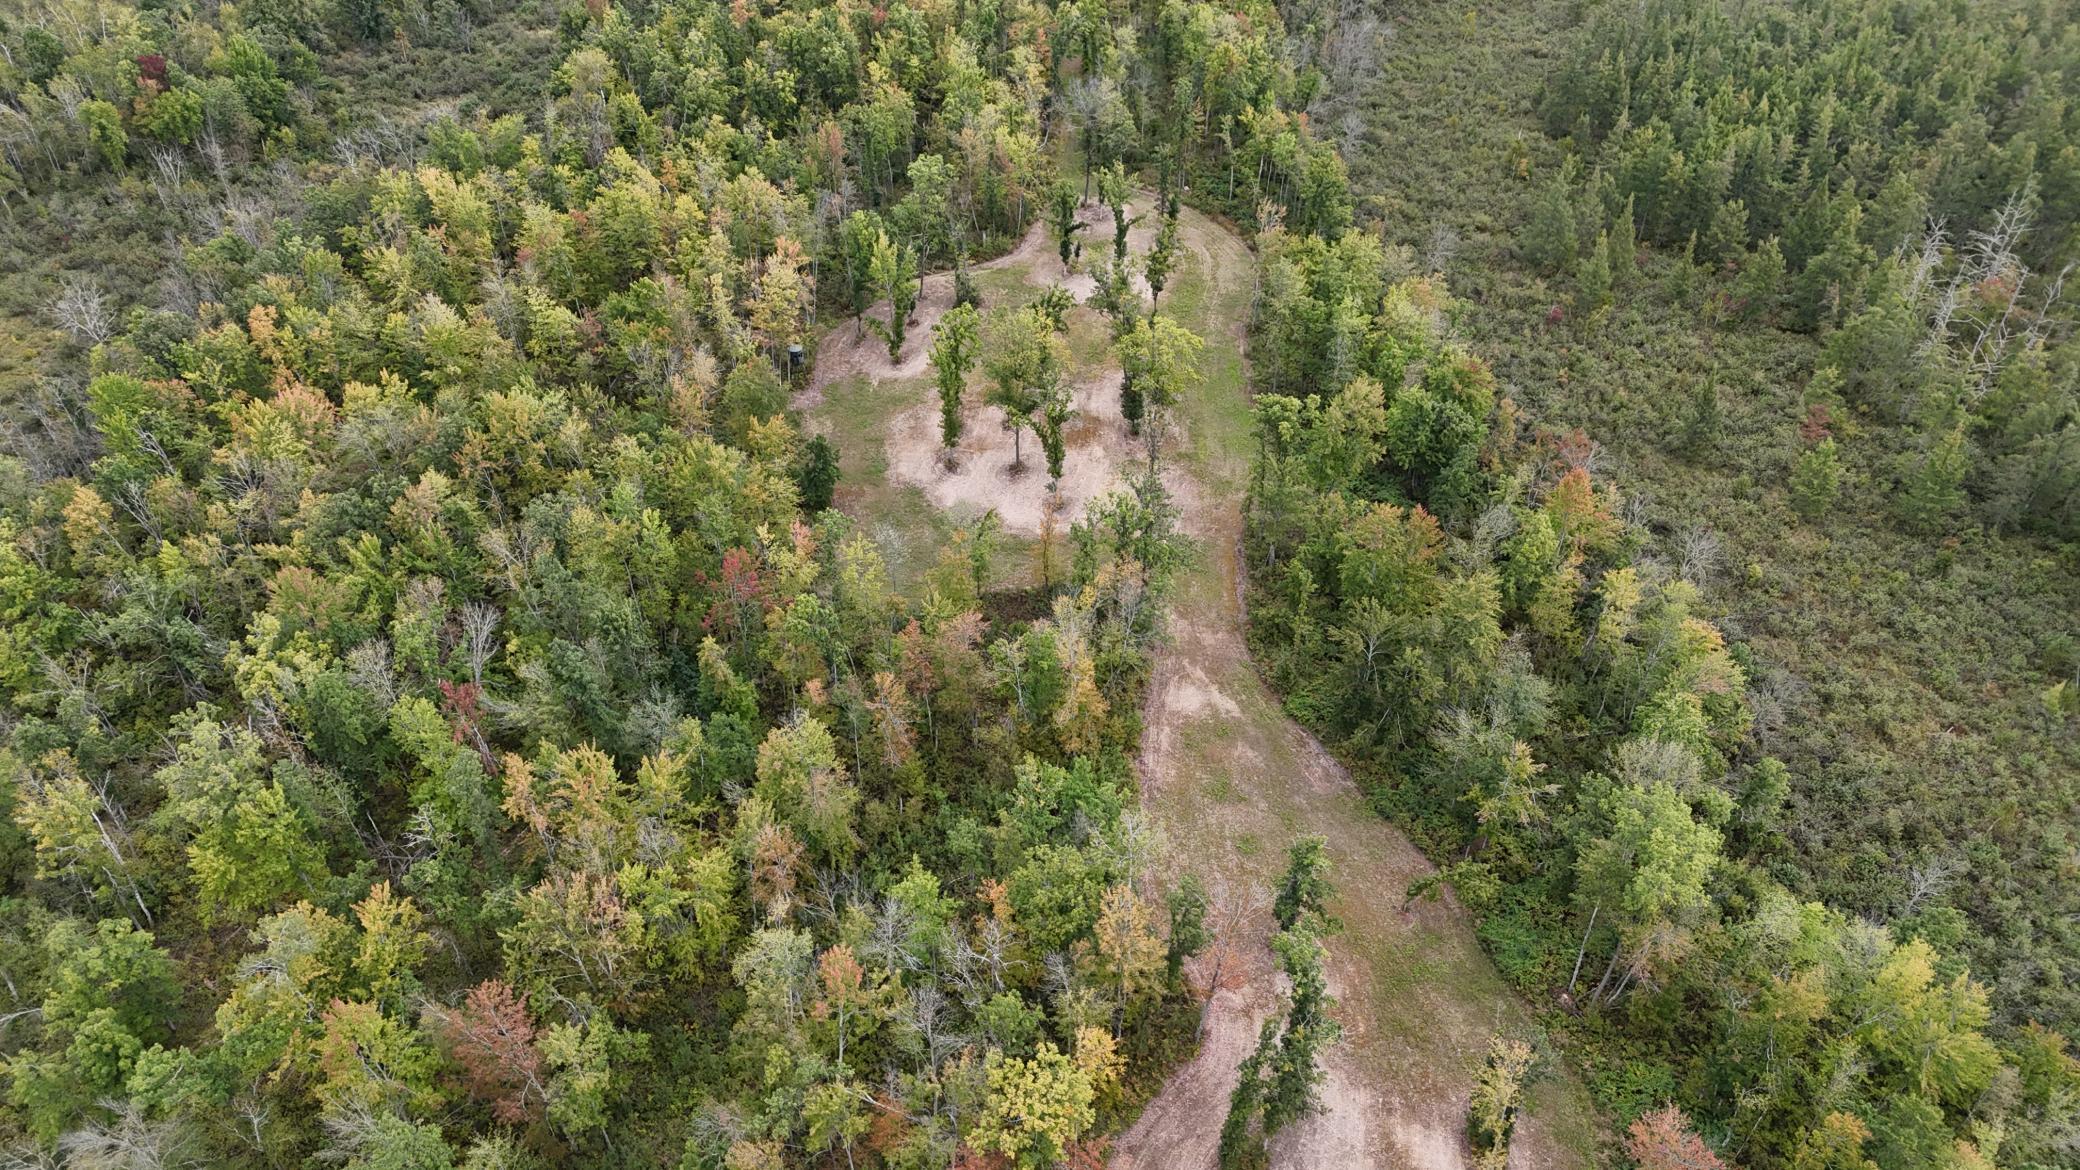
{"x": 1759, "y": 288}
{"x": 1188, "y": 933}
{"x": 1115, "y": 189}
{"x": 1682, "y": 280}
{"x": 1593, "y": 277}
{"x": 816, "y": 474}
{"x": 1296, "y": 1074}
{"x": 1161, "y": 260}
{"x": 1816, "y": 480}
{"x": 1726, "y": 236}
{"x": 1052, "y": 425}
{"x": 1242, "y": 1142}
{"x": 1624, "y": 246}
{"x": 1933, "y": 487}
{"x": 1828, "y": 288}
{"x": 1703, "y": 418}
{"x": 1550, "y": 240}
{"x": 1061, "y": 219}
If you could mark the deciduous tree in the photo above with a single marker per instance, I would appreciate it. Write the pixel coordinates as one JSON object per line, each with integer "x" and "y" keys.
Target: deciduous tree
{"x": 954, "y": 343}
{"x": 1025, "y": 366}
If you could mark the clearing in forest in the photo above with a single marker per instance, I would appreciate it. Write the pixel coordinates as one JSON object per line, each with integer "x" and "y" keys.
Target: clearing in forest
{"x": 1228, "y": 779}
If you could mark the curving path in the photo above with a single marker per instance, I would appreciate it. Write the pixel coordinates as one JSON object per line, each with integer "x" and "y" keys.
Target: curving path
{"x": 1231, "y": 781}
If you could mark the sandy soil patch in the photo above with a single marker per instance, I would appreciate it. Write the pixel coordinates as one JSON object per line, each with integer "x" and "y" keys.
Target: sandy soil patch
{"x": 847, "y": 349}
{"x": 982, "y": 476}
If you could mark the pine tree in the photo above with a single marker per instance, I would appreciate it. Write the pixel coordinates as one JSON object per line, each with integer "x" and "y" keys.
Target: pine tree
{"x": 1624, "y": 246}
{"x": 1052, "y": 426}
{"x": 1550, "y": 240}
{"x": 1828, "y": 288}
{"x": 1296, "y": 1072}
{"x": 1115, "y": 189}
{"x": 1061, "y": 219}
{"x": 1703, "y": 419}
{"x": 1934, "y": 487}
{"x": 1593, "y": 276}
{"x": 1242, "y": 1146}
{"x": 1759, "y": 288}
{"x": 1188, "y": 933}
{"x": 816, "y": 476}
{"x": 1682, "y": 280}
{"x": 1726, "y": 236}
{"x": 1161, "y": 260}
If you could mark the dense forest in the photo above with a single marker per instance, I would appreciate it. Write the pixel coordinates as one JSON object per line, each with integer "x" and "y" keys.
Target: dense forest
{"x": 449, "y": 723}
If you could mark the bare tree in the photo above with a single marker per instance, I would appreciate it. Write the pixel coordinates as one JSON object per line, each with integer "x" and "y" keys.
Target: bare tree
{"x": 1636, "y": 509}
{"x": 479, "y": 636}
{"x": 1441, "y": 248}
{"x": 2044, "y": 318}
{"x": 127, "y": 1140}
{"x": 46, "y": 430}
{"x": 1350, "y": 53}
{"x": 81, "y": 311}
{"x": 28, "y": 1155}
{"x": 211, "y": 144}
{"x": 1926, "y": 881}
{"x": 1928, "y": 258}
{"x": 1698, "y": 552}
{"x": 1775, "y": 695}
{"x": 1991, "y": 263}
{"x": 370, "y": 669}
{"x": 169, "y": 175}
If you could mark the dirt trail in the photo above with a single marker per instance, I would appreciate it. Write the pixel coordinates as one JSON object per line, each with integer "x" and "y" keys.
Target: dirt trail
{"x": 1231, "y": 781}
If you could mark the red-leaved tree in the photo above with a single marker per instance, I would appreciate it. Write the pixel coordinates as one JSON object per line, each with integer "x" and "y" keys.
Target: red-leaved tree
{"x": 492, "y": 1038}
{"x": 1663, "y": 1140}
